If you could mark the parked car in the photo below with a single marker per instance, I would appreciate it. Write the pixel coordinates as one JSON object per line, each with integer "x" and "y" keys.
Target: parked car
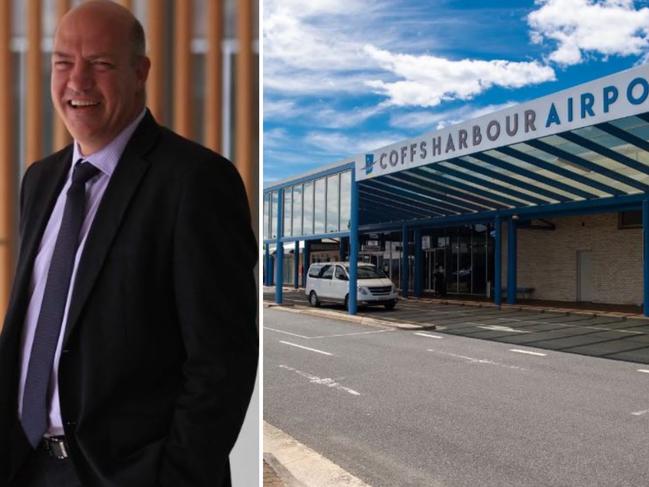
{"x": 329, "y": 281}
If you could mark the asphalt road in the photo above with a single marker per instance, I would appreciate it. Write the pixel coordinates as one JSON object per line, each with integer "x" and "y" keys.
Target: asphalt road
{"x": 424, "y": 408}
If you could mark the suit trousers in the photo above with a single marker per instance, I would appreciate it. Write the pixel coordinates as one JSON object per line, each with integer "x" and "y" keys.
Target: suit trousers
{"x": 42, "y": 470}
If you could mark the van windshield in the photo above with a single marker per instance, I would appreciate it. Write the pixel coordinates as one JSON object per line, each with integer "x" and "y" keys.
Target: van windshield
{"x": 368, "y": 272}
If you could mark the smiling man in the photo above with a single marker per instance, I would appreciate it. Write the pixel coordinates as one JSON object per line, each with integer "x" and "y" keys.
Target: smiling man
{"x": 98, "y": 76}
{"x": 129, "y": 349}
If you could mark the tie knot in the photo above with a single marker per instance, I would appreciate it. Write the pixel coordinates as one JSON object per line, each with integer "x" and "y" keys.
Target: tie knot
{"x": 83, "y": 171}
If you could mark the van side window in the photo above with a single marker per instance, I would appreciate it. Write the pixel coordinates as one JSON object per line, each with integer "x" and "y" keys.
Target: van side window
{"x": 340, "y": 274}
{"x": 326, "y": 272}
{"x": 314, "y": 271}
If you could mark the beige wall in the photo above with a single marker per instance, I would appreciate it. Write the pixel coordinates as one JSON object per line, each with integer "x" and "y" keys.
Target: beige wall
{"x": 547, "y": 260}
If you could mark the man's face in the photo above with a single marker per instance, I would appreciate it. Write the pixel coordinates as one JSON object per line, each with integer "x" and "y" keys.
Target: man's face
{"x": 97, "y": 82}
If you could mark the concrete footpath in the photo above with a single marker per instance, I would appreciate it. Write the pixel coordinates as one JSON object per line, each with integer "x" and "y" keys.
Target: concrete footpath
{"x": 292, "y": 464}
{"x": 344, "y": 316}
{"x": 271, "y": 477}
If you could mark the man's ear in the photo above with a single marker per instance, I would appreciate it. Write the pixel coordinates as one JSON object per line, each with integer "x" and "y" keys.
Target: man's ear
{"x": 142, "y": 66}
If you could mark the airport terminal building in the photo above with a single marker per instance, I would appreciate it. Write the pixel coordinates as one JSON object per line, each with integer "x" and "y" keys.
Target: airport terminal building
{"x": 547, "y": 200}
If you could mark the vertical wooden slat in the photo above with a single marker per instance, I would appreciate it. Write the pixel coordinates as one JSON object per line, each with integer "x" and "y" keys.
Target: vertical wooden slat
{"x": 244, "y": 93}
{"x": 155, "y": 41}
{"x": 213, "y": 77}
{"x": 7, "y": 177}
{"x": 34, "y": 101}
{"x": 61, "y": 135}
{"x": 183, "y": 69}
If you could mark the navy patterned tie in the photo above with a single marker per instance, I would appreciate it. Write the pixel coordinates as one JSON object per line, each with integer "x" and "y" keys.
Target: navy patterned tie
{"x": 34, "y": 411}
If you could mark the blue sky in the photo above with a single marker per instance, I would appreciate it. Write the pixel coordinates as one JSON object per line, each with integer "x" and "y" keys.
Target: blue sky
{"x": 342, "y": 77}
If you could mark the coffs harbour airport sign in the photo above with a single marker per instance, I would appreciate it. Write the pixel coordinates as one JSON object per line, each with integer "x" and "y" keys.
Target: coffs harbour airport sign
{"x": 619, "y": 95}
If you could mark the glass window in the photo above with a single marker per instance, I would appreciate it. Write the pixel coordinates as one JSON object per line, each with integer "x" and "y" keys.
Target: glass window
{"x": 314, "y": 270}
{"x": 320, "y": 203}
{"x": 297, "y": 210}
{"x": 333, "y": 202}
{"x": 308, "y": 208}
{"x": 327, "y": 272}
{"x": 368, "y": 272}
{"x": 273, "y": 214}
{"x": 266, "y": 216}
{"x": 345, "y": 200}
{"x": 288, "y": 215}
{"x": 340, "y": 274}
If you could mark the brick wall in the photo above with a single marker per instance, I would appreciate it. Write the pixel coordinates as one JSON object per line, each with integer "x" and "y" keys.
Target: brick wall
{"x": 547, "y": 260}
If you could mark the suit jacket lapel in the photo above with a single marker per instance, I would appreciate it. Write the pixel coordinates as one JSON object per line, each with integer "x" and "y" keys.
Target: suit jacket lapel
{"x": 35, "y": 216}
{"x": 122, "y": 186}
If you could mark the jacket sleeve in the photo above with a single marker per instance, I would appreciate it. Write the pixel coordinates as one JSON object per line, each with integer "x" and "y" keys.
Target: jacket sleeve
{"x": 216, "y": 300}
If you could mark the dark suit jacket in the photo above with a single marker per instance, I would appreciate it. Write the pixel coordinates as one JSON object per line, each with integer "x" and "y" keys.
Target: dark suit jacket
{"x": 160, "y": 351}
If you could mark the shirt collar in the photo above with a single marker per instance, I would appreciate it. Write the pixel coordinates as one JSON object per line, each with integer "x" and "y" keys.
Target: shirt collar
{"x": 106, "y": 159}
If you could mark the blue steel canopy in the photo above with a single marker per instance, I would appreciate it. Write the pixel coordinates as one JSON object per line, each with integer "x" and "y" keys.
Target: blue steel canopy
{"x": 609, "y": 160}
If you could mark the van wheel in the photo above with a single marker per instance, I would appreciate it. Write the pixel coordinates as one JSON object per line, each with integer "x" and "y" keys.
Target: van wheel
{"x": 313, "y": 299}
{"x": 390, "y": 304}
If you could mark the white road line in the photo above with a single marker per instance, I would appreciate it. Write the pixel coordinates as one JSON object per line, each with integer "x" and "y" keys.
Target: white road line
{"x": 645, "y": 371}
{"x": 305, "y": 348}
{"x": 501, "y": 328}
{"x": 454, "y": 313}
{"x": 285, "y": 332}
{"x": 568, "y": 325}
{"x": 327, "y": 381}
{"x": 640, "y": 413}
{"x": 527, "y": 321}
{"x": 538, "y": 354}
{"x": 350, "y": 334}
{"x": 428, "y": 335}
{"x": 477, "y": 360}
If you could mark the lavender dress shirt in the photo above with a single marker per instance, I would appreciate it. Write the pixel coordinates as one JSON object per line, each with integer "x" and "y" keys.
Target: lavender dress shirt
{"x": 105, "y": 160}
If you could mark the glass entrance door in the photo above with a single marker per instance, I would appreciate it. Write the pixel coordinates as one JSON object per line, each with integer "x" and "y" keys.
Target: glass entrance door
{"x": 435, "y": 269}
{"x": 462, "y": 258}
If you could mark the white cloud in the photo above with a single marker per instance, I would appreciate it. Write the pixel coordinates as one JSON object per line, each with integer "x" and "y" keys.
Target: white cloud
{"x": 314, "y": 47}
{"x": 430, "y": 120}
{"x": 344, "y": 145}
{"x": 283, "y": 79}
{"x": 281, "y": 108}
{"x": 429, "y": 80}
{"x": 338, "y": 47}
{"x": 580, "y": 27}
{"x": 275, "y": 138}
{"x": 328, "y": 117}
{"x": 322, "y": 114}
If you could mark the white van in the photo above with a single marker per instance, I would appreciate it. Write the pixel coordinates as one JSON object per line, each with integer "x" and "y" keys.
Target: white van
{"x": 329, "y": 281}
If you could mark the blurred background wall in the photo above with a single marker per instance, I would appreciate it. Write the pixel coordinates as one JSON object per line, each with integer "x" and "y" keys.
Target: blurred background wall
{"x": 203, "y": 84}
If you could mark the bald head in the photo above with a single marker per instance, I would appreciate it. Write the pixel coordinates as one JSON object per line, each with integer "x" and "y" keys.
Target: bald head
{"x": 98, "y": 76}
{"x": 114, "y": 14}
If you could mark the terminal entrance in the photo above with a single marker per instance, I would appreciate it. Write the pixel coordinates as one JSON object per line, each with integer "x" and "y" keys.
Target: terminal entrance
{"x": 455, "y": 261}
{"x": 435, "y": 265}
{"x": 462, "y": 262}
